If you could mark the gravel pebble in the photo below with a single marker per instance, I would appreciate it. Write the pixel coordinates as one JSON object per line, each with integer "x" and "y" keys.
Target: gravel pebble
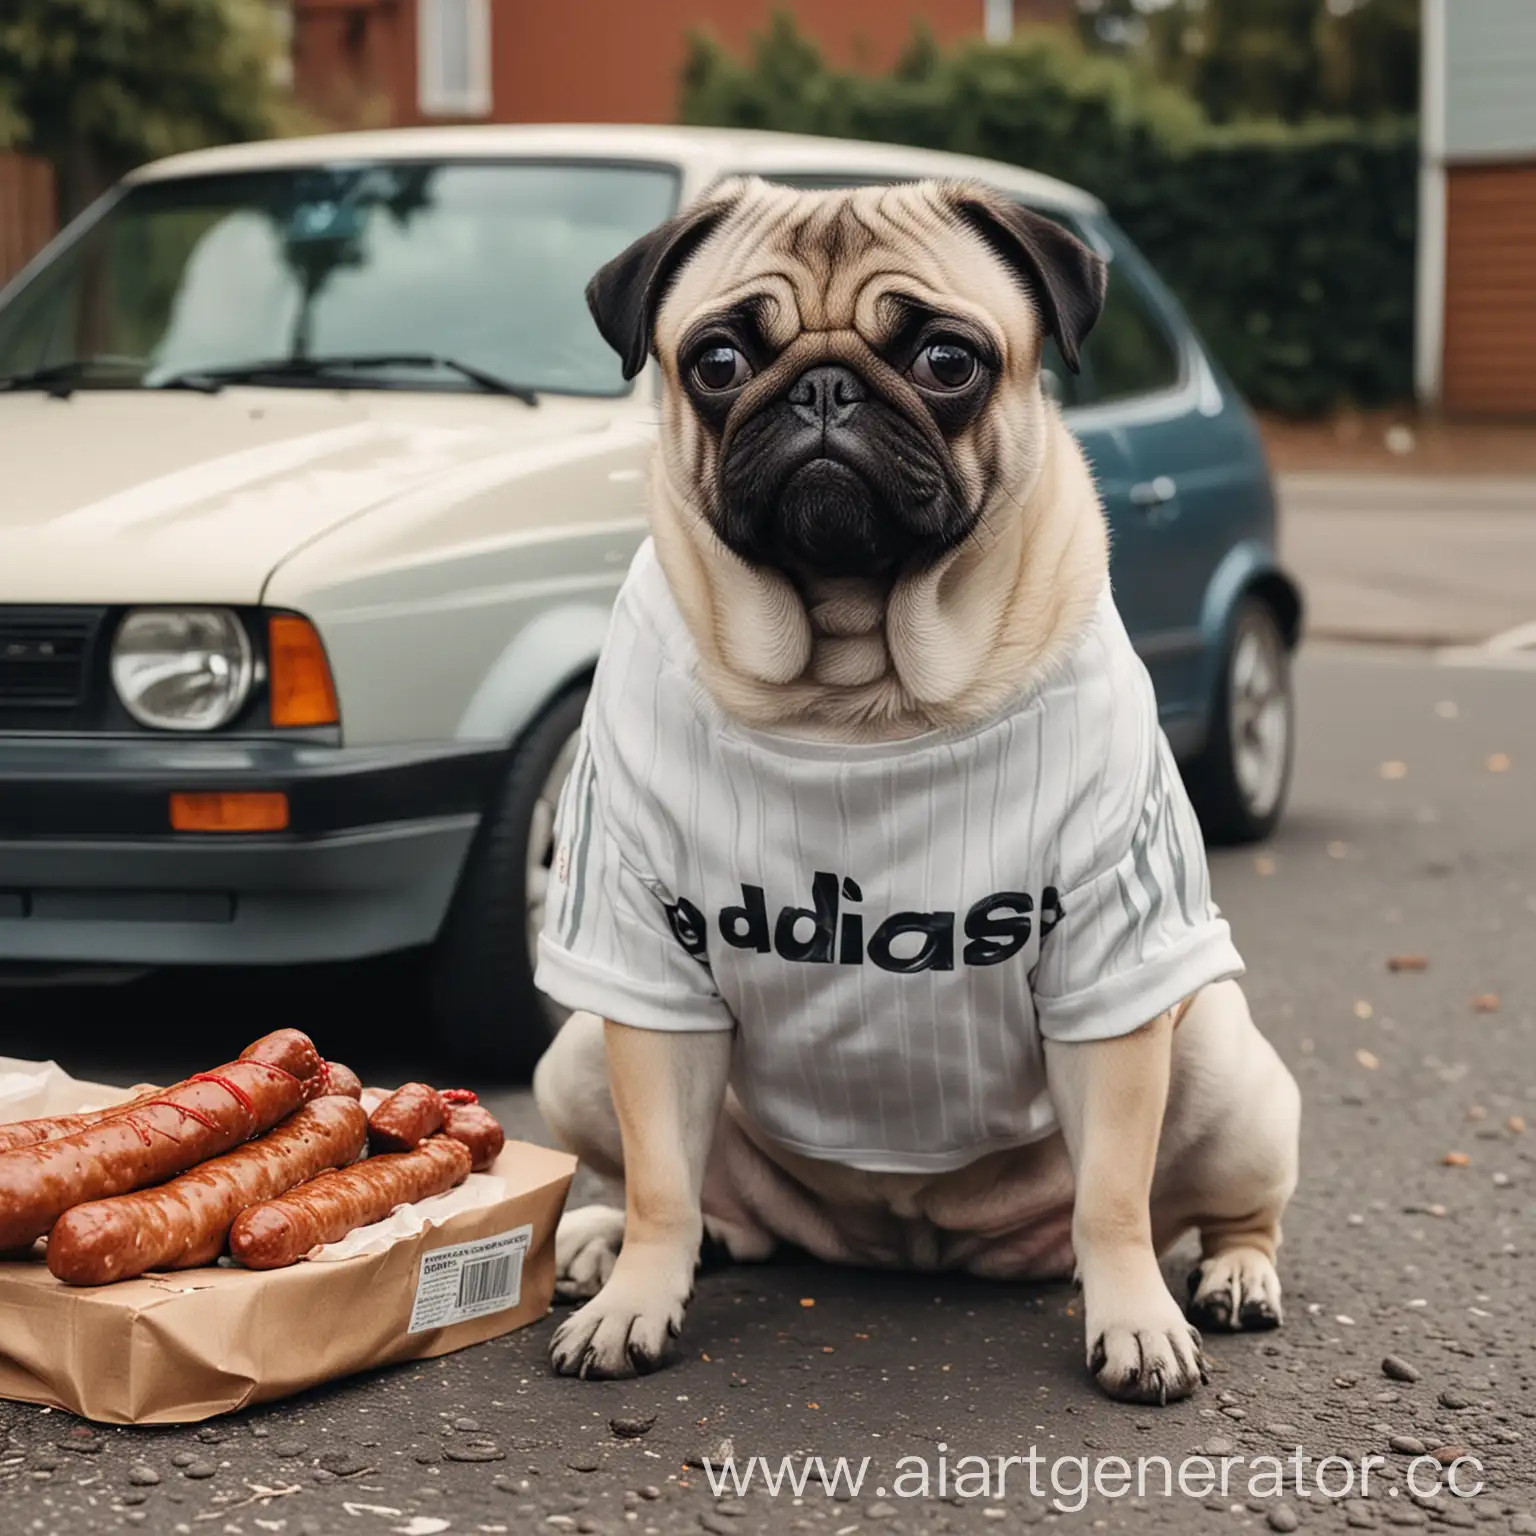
{"x": 466, "y": 1426}
{"x": 288, "y": 1448}
{"x": 1359, "y": 1518}
{"x": 1219, "y": 1445}
{"x": 1446, "y": 1454}
{"x": 209, "y": 1435}
{"x": 582, "y": 1464}
{"x": 1282, "y": 1518}
{"x": 474, "y": 1450}
{"x": 879, "y": 1511}
{"x": 1398, "y": 1369}
{"x": 1451, "y": 1398}
{"x": 142, "y": 1476}
{"x": 1408, "y": 1445}
{"x": 632, "y": 1429}
{"x": 198, "y": 1470}
{"x": 183, "y": 1459}
{"x": 345, "y": 1463}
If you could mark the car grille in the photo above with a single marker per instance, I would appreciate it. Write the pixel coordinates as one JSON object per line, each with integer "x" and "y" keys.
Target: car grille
{"x": 45, "y": 658}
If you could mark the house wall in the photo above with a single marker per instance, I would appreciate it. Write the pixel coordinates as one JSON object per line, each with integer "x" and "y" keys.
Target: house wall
{"x": 1490, "y": 79}
{"x": 1490, "y": 290}
{"x": 603, "y": 61}
{"x": 1477, "y": 209}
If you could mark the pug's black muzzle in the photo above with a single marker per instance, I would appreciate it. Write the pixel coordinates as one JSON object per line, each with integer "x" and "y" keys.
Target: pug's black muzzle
{"x": 831, "y": 479}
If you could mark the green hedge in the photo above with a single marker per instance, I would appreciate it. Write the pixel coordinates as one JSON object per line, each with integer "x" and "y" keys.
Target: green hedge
{"x": 1292, "y": 248}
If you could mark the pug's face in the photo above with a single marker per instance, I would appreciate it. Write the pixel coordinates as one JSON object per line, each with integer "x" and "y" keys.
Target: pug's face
{"x": 851, "y": 378}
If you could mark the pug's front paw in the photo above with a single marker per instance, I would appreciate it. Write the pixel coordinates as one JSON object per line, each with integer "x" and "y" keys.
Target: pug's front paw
{"x": 1143, "y": 1351}
{"x": 623, "y": 1331}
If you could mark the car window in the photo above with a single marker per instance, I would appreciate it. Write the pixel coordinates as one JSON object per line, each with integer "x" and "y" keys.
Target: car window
{"x": 1129, "y": 350}
{"x": 481, "y": 261}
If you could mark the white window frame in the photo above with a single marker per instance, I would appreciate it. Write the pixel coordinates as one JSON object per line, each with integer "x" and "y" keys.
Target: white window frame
{"x": 436, "y": 96}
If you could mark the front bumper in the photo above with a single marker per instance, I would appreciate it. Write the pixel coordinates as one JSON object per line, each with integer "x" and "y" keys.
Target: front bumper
{"x": 90, "y": 872}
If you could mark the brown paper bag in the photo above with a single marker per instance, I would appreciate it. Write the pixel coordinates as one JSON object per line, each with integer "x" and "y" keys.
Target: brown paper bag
{"x": 185, "y": 1346}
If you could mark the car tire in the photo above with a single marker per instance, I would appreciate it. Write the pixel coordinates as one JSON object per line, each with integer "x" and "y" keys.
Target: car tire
{"x": 484, "y": 1006}
{"x": 1240, "y": 781}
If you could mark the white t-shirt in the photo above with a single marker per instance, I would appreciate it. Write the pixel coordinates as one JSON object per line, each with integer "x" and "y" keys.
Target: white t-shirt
{"x": 890, "y": 929}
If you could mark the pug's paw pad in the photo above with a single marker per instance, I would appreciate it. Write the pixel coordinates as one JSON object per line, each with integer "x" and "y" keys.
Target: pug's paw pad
{"x": 624, "y": 1331}
{"x": 587, "y": 1244}
{"x": 1236, "y": 1291}
{"x": 1148, "y": 1365}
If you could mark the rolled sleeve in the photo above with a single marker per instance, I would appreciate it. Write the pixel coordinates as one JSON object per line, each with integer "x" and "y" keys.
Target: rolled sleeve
{"x": 576, "y": 981}
{"x": 1142, "y": 935}
{"x": 614, "y": 942}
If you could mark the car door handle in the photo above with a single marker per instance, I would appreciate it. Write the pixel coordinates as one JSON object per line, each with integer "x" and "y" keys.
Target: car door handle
{"x": 1153, "y": 493}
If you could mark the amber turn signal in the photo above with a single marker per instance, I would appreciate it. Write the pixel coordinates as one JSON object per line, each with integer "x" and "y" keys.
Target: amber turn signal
{"x": 299, "y": 676}
{"x": 245, "y": 812}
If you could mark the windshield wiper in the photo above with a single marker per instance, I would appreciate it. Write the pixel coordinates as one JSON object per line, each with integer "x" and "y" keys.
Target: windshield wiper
{"x": 339, "y": 362}
{"x": 62, "y": 379}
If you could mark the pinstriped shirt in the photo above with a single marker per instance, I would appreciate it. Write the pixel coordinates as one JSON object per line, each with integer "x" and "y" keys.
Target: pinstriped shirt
{"x": 892, "y": 930}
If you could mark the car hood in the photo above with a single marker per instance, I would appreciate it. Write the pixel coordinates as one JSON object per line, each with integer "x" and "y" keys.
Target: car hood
{"x": 144, "y": 497}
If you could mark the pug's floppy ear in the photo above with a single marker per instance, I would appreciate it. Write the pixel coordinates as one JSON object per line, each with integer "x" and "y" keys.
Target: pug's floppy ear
{"x": 1066, "y": 278}
{"x": 626, "y": 293}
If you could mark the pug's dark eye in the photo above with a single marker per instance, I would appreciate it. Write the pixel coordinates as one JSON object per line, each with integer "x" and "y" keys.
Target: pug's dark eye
{"x": 944, "y": 366}
{"x": 721, "y": 367}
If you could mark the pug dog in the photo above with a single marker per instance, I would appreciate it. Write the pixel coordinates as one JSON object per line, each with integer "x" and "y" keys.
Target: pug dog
{"x": 880, "y": 905}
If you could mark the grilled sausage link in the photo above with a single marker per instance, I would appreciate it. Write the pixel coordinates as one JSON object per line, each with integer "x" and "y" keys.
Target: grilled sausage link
{"x": 280, "y": 1232}
{"x": 27, "y": 1133}
{"x": 478, "y": 1129}
{"x": 405, "y": 1119}
{"x": 290, "y": 1049}
{"x": 186, "y": 1222}
{"x": 185, "y": 1125}
{"x": 333, "y": 1078}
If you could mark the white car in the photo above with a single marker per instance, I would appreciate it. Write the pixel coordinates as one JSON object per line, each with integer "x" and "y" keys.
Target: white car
{"x": 318, "y": 484}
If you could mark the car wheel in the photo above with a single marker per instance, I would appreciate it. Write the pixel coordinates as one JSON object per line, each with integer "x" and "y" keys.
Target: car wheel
{"x": 483, "y": 1001}
{"x": 1240, "y": 780}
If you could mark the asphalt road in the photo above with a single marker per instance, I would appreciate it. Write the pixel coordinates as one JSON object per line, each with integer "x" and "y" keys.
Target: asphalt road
{"x": 1431, "y": 559}
{"x": 1409, "y": 835}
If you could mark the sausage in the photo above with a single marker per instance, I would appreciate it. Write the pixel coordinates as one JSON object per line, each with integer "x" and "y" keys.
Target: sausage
{"x": 186, "y": 1124}
{"x": 27, "y": 1133}
{"x": 186, "y": 1222}
{"x": 405, "y": 1119}
{"x": 289, "y": 1049}
{"x": 478, "y": 1129}
{"x": 284, "y": 1047}
{"x": 280, "y": 1232}
{"x": 333, "y": 1078}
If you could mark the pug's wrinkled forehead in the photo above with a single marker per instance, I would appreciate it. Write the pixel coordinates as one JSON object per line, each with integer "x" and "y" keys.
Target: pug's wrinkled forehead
{"x": 870, "y": 262}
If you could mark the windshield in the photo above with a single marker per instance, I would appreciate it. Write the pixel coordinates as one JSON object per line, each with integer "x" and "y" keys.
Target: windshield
{"x": 482, "y": 262}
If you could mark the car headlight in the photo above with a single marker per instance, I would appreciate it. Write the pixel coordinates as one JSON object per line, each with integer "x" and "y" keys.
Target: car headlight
{"x": 182, "y": 669}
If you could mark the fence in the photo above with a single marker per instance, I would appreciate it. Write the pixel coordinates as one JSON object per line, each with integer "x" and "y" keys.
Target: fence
{"x": 29, "y": 211}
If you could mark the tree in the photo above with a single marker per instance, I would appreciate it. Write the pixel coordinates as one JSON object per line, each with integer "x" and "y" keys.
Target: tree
{"x": 1291, "y": 59}
{"x": 99, "y": 86}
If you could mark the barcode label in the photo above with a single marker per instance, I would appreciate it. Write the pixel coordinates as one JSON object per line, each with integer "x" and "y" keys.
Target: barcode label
{"x": 484, "y": 1279}
{"x": 470, "y": 1280}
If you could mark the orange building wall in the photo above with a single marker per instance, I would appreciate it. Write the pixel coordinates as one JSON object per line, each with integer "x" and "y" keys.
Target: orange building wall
{"x": 596, "y": 60}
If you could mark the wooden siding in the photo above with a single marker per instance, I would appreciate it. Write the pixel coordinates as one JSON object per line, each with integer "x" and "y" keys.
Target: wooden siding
{"x": 1490, "y": 291}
